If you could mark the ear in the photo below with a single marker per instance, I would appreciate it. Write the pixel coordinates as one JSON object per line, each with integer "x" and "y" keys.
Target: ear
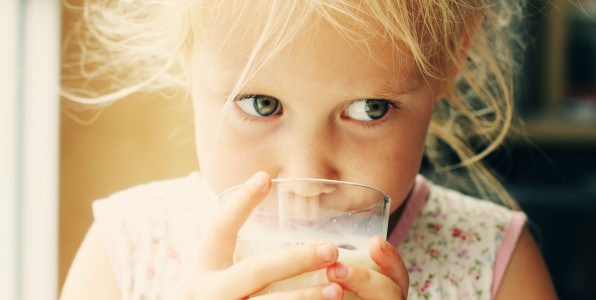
{"x": 462, "y": 46}
{"x": 466, "y": 36}
{"x": 468, "y": 33}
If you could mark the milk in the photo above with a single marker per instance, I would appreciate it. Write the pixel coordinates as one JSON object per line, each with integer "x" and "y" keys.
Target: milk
{"x": 353, "y": 253}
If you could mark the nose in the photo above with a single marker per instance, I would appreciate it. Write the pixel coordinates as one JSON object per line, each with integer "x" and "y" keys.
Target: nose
{"x": 309, "y": 153}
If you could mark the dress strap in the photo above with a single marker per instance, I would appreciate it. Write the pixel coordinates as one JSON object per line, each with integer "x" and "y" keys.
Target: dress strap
{"x": 414, "y": 204}
{"x": 505, "y": 250}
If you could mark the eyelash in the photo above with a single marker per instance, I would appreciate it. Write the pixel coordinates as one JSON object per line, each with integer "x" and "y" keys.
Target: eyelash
{"x": 393, "y": 105}
{"x": 249, "y": 118}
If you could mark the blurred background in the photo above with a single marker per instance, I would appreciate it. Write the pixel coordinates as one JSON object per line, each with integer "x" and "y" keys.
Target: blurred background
{"x": 550, "y": 169}
{"x": 552, "y": 172}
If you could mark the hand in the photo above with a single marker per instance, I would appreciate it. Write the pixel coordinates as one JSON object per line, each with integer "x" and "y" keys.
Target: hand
{"x": 391, "y": 281}
{"x": 217, "y": 277}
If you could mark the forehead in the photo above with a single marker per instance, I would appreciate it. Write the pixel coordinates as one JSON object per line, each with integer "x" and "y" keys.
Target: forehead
{"x": 326, "y": 54}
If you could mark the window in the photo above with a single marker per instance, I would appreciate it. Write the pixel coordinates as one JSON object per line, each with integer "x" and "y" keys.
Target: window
{"x": 29, "y": 103}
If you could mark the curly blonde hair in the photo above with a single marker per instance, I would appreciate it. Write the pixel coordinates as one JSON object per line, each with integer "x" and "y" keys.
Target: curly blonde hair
{"x": 125, "y": 47}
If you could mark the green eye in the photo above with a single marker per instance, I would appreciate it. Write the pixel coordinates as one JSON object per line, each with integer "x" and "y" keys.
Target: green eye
{"x": 367, "y": 109}
{"x": 259, "y": 105}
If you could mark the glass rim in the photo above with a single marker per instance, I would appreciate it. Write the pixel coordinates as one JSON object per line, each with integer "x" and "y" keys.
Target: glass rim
{"x": 315, "y": 180}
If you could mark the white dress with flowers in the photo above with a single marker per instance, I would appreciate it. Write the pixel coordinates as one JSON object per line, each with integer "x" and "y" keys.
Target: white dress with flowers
{"x": 454, "y": 246}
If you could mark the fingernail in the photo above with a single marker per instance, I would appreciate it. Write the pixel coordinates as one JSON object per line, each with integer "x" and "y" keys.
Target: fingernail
{"x": 340, "y": 271}
{"x": 257, "y": 181}
{"x": 331, "y": 292}
{"x": 325, "y": 252}
{"x": 384, "y": 245}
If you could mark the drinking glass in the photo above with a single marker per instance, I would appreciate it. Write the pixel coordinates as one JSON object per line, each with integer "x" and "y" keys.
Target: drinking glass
{"x": 298, "y": 211}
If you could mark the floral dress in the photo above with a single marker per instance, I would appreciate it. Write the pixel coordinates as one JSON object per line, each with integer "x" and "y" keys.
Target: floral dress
{"x": 454, "y": 246}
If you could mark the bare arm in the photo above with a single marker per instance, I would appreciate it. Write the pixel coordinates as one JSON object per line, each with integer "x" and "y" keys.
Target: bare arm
{"x": 526, "y": 276}
{"x": 90, "y": 275}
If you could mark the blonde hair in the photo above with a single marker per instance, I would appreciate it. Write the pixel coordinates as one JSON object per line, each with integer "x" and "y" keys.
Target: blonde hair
{"x": 137, "y": 45}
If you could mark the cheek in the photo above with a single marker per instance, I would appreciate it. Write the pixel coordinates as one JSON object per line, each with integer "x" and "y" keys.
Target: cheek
{"x": 207, "y": 137}
{"x": 391, "y": 166}
{"x": 393, "y": 163}
{"x": 226, "y": 157}
{"x": 401, "y": 172}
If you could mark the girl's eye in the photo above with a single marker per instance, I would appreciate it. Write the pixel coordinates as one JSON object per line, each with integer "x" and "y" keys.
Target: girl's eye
{"x": 367, "y": 109}
{"x": 259, "y": 105}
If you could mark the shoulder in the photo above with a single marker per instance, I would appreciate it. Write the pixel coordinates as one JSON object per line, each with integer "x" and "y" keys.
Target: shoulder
{"x": 450, "y": 214}
{"x": 164, "y": 207}
{"x": 526, "y": 259}
{"x": 459, "y": 206}
{"x": 468, "y": 217}
{"x": 145, "y": 230}
{"x": 455, "y": 242}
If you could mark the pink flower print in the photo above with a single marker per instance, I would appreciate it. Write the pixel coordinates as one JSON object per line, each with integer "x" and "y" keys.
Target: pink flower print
{"x": 463, "y": 254}
{"x": 434, "y": 253}
{"x": 453, "y": 280}
{"x": 460, "y": 234}
{"x": 150, "y": 272}
{"x": 501, "y": 227}
{"x": 438, "y": 215}
{"x": 426, "y": 285}
{"x": 173, "y": 254}
{"x": 414, "y": 267}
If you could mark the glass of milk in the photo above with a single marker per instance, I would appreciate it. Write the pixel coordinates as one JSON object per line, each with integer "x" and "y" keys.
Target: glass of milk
{"x": 298, "y": 211}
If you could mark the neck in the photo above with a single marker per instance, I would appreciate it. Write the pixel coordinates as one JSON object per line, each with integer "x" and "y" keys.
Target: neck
{"x": 396, "y": 215}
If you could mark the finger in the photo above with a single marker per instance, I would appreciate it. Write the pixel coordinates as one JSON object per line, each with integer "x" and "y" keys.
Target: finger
{"x": 364, "y": 283}
{"x": 389, "y": 262}
{"x": 369, "y": 284}
{"x": 253, "y": 274}
{"x": 219, "y": 241}
{"x": 327, "y": 291}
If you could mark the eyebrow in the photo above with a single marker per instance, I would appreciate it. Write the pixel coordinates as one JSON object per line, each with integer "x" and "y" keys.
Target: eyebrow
{"x": 392, "y": 88}
{"x": 376, "y": 87}
{"x": 389, "y": 90}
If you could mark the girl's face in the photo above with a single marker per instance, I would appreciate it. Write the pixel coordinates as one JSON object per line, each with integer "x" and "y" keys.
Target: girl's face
{"x": 323, "y": 107}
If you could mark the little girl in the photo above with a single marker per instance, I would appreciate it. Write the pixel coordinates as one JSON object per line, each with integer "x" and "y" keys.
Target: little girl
{"x": 349, "y": 90}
